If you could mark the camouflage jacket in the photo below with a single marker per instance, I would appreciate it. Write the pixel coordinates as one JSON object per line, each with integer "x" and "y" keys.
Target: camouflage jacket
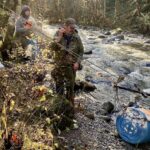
{"x": 19, "y": 27}
{"x": 74, "y": 51}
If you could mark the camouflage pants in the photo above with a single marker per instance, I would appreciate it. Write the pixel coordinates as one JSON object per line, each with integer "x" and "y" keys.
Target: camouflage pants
{"x": 64, "y": 77}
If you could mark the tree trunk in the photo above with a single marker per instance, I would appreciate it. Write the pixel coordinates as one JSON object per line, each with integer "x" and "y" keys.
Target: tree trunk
{"x": 7, "y": 44}
{"x": 104, "y": 8}
{"x": 138, "y": 7}
{"x": 117, "y": 10}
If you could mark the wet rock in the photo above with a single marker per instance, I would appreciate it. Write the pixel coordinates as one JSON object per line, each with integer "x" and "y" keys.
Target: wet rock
{"x": 85, "y": 27}
{"x": 88, "y": 87}
{"x": 78, "y": 86}
{"x": 108, "y": 107}
{"x": 90, "y": 115}
{"x": 91, "y": 34}
{"x": 101, "y": 36}
{"x": 106, "y": 118}
{"x": 116, "y": 31}
{"x": 148, "y": 41}
{"x": 92, "y": 38}
{"x": 132, "y": 44}
{"x": 146, "y": 82}
{"x": 133, "y": 81}
{"x": 105, "y": 110}
{"x": 115, "y": 38}
{"x": 148, "y": 64}
{"x": 84, "y": 86}
{"x": 119, "y": 37}
{"x": 101, "y": 112}
{"x": 88, "y": 52}
{"x": 107, "y": 33}
{"x": 93, "y": 42}
{"x": 1, "y": 66}
{"x": 131, "y": 104}
{"x": 136, "y": 75}
{"x": 145, "y": 64}
{"x": 146, "y": 91}
{"x": 88, "y": 47}
{"x": 122, "y": 68}
{"x": 97, "y": 81}
{"x": 124, "y": 71}
{"x": 146, "y": 47}
{"x": 145, "y": 71}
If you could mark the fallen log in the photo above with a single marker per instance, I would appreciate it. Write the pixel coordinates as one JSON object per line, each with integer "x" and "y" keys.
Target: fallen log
{"x": 132, "y": 90}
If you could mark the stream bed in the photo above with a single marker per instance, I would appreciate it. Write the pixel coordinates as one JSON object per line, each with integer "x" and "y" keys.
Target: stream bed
{"x": 121, "y": 53}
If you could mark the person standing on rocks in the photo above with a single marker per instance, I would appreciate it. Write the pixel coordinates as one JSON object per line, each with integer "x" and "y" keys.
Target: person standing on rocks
{"x": 68, "y": 59}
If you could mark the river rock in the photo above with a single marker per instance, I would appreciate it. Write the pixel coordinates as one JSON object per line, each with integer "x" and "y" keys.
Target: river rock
{"x": 145, "y": 71}
{"x": 146, "y": 91}
{"x": 132, "y": 43}
{"x": 101, "y": 36}
{"x": 148, "y": 64}
{"x": 108, "y": 107}
{"x": 1, "y": 65}
{"x": 147, "y": 41}
{"x": 92, "y": 38}
{"x": 146, "y": 47}
{"x": 116, "y": 31}
{"x": 88, "y": 87}
{"x": 89, "y": 115}
{"x": 146, "y": 81}
{"x": 133, "y": 81}
{"x": 84, "y": 86}
{"x": 107, "y": 33}
{"x": 88, "y": 52}
{"x": 115, "y": 38}
{"x": 106, "y": 118}
{"x": 136, "y": 75}
{"x": 119, "y": 37}
{"x": 122, "y": 68}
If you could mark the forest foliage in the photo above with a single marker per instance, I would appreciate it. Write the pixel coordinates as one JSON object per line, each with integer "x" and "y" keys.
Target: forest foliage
{"x": 133, "y": 14}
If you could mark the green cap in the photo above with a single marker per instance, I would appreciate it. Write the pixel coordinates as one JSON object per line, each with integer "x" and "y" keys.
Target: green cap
{"x": 71, "y": 22}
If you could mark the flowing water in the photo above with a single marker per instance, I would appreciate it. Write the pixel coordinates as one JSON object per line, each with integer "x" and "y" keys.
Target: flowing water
{"x": 109, "y": 57}
{"x": 130, "y": 57}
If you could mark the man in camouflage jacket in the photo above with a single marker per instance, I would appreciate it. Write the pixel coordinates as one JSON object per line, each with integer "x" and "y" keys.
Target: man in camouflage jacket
{"x": 67, "y": 58}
